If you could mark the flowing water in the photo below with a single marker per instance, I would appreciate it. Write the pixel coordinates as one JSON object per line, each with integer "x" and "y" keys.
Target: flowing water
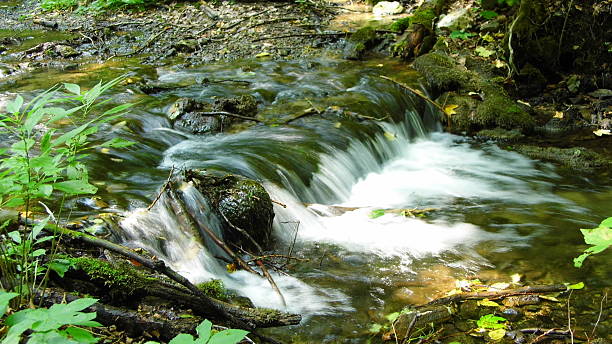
{"x": 497, "y": 212}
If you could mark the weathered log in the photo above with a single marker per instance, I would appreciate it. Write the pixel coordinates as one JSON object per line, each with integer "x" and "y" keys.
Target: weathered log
{"x": 133, "y": 323}
{"x": 493, "y": 295}
{"x": 191, "y": 296}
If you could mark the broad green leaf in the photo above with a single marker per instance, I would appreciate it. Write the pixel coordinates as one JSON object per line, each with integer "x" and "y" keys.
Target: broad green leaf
{"x": 73, "y": 88}
{"x": 182, "y": 338}
{"x": 491, "y": 321}
{"x": 228, "y": 337}
{"x": 77, "y": 305}
{"x": 51, "y": 337}
{"x": 484, "y": 52}
{"x": 32, "y": 120}
{"x": 392, "y": 316}
{"x": 117, "y": 109}
{"x": 15, "y": 105}
{"x": 375, "y": 328}
{"x": 488, "y": 14}
{"x": 75, "y": 187}
{"x": 497, "y": 334}
{"x": 15, "y": 236}
{"x": 117, "y": 143}
{"x": 60, "y": 266}
{"x": 461, "y": 35}
{"x": 204, "y": 331}
{"x": 377, "y": 213}
{"x": 5, "y": 298}
{"x": 606, "y": 223}
{"x": 81, "y": 335}
{"x": 576, "y": 286}
{"x": 45, "y": 190}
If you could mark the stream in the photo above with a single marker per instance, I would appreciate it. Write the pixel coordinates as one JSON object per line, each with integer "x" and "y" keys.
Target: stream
{"x": 497, "y": 212}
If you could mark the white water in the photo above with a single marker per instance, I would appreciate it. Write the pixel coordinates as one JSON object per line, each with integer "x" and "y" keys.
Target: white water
{"x": 437, "y": 170}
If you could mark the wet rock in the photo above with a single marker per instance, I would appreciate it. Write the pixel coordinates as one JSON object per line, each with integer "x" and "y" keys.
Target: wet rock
{"x": 500, "y": 135}
{"x": 243, "y": 204}
{"x": 441, "y": 72}
{"x": 194, "y": 117}
{"x": 601, "y": 93}
{"x": 359, "y": 43}
{"x": 490, "y": 26}
{"x": 386, "y": 8}
{"x": 459, "y": 19}
{"x": 186, "y": 45}
{"x": 425, "y": 316}
{"x": 245, "y": 105}
{"x": 414, "y": 42}
{"x": 66, "y": 51}
{"x": 577, "y": 158}
{"x": 511, "y": 314}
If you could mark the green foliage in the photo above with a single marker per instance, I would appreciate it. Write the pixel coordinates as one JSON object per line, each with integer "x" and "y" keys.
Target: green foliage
{"x": 377, "y": 213}
{"x": 51, "y": 5}
{"x": 45, "y": 163}
{"x": 600, "y": 238}
{"x": 484, "y": 52}
{"x": 491, "y": 321}
{"x": 401, "y": 24}
{"x": 115, "y": 275}
{"x": 576, "y": 286}
{"x": 461, "y": 35}
{"x": 206, "y": 335}
{"x": 56, "y": 324}
{"x": 214, "y": 288}
{"x": 488, "y": 14}
{"x": 508, "y": 2}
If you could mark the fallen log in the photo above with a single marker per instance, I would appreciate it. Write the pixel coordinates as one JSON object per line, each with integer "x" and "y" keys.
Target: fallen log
{"x": 494, "y": 295}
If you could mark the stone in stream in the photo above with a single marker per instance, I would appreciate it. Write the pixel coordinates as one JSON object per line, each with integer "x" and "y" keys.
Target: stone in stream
{"x": 192, "y": 116}
{"x": 386, "y": 8}
{"x": 241, "y": 203}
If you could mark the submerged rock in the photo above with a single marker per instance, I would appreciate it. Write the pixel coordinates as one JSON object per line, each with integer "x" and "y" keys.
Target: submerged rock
{"x": 360, "y": 42}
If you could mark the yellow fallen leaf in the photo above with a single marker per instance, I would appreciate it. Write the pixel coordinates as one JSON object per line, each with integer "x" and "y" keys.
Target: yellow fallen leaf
{"x": 264, "y": 54}
{"x": 450, "y": 109}
{"x": 497, "y": 334}
{"x": 499, "y": 286}
{"x": 379, "y": 65}
{"x": 558, "y": 114}
{"x": 601, "y": 132}
{"x": 390, "y": 136}
{"x": 453, "y": 292}
{"x": 116, "y": 159}
{"x": 549, "y": 298}
{"x": 488, "y": 303}
{"x": 500, "y": 64}
{"x": 516, "y": 278}
{"x": 524, "y": 103}
{"x": 337, "y": 125}
{"x": 104, "y": 150}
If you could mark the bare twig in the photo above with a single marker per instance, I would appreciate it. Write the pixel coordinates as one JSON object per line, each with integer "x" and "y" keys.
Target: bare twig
{"x": 242, "y": 231}
{"x": 297, "y": 229}
{"x": 493, "y": 295}
{"x": 569, "y": 317}
{"x": 271, "y": 281}
{"x": 279, "y": 203}
{"x": 166, "y": 184}
{"x": 603, "y": 300}
{"x": 229, "y": 114}
{"x": 415, "y": 91}
{"x": 314, "y": 34}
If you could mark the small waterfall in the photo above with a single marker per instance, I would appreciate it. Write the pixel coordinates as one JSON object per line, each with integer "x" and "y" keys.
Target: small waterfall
{"x": 356, "y": 167}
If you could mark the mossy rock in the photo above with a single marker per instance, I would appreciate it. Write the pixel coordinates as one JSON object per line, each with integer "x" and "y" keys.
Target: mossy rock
{"x": 501, "y": 111}
{"x": 500, "y": 135}
{"x": 240, "y": 202}
{"x": 441, "y": 72}
{"x": 401, "y": 24}
{"x": 360, "y": 42}
{"x": 577, "y": 158}
{"x": 245, "y": 105}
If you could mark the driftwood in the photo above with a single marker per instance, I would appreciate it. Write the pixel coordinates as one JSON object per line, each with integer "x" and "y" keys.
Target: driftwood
{"x": 493, "y": 295}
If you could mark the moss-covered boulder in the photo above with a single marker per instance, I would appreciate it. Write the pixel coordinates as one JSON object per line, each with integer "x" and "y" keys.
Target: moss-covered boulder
{"x": 576, "y": 158}
{"x": 441, "y": 72}
{"x": 360, "y": 42}
{"x": 243, "y": 204}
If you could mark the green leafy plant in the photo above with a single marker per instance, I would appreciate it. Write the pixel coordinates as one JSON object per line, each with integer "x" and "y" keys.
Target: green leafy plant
{"x": 488, "y": 15}
{"x": 43, "y": 163}
{"x": 491, "y": 321}
{"x": 600, "y": 238}
{"x": 206, "y": 335}
{"x": 461, "y": 35}
{"x": 56, "y": 324}
{"x": 376, "y": 213}
{"x": 484, "y": 52}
